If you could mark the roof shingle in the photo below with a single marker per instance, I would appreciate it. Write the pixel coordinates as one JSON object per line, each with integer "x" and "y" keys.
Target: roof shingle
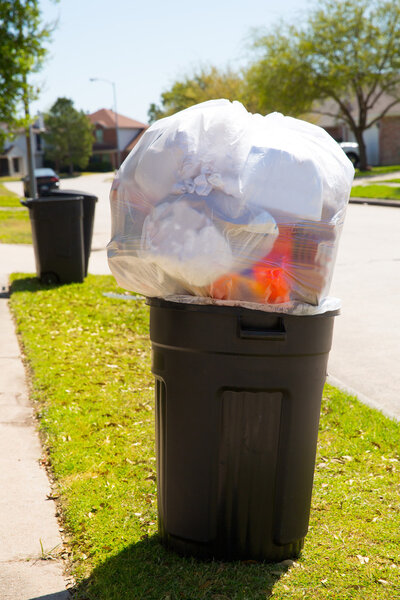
{"x": 106, "y": 118}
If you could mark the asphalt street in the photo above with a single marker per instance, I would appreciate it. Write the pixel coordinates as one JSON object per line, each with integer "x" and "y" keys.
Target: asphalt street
{"x": 366, "y": 343}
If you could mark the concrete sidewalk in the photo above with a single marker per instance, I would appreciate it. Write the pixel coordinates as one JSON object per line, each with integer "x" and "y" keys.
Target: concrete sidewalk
{"x": 30, "y": 541}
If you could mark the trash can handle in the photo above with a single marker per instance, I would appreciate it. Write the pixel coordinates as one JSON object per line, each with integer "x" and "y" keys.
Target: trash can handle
{"x": 272, "y": 334}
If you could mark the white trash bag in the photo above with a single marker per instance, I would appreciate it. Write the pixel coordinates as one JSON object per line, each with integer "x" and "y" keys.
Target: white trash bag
{"x": 218, "y": 203}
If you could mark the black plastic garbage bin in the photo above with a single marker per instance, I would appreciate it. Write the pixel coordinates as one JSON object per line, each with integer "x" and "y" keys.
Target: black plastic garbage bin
{"x": 57, "y": 233}
{"x": 238, "y": 395}
{"x": 89, "y": 206}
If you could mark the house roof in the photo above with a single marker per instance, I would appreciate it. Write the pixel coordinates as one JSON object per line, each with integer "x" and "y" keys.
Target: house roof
{"x": 7, "y": 149}
{"x": 106, "y": 118}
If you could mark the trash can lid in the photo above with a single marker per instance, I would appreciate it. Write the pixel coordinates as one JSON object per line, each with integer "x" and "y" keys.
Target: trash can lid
{"x": 30, "y": 202}
{"x": 229, "y": 310}
{"x": 67, "y": 193}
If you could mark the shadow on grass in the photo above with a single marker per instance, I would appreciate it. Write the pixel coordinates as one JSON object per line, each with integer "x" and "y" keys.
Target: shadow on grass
{"x": 147, "y": 570}
{"x": 32, "y": 284}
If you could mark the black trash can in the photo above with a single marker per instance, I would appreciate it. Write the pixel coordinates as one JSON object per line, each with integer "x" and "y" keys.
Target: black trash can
{"x": 57, "y": 233}
{"x": 238, "y": 395}
{"x": 89, "y": 206}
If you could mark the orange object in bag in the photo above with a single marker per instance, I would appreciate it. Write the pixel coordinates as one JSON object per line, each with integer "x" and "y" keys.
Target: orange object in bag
{"x": 274, "y": 283}
{"x": 272, "y": 271}
{"x": 268, "y": 282}
{"x": 237, "y": 287}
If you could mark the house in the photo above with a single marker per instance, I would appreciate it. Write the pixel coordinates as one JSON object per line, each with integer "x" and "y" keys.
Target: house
{"x": 382, "y": 139}
{"x": 13, "y": 155}
{"x": 107, "y": 130}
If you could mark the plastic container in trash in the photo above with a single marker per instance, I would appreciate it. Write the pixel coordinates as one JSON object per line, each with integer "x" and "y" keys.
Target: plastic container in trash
{"x": 238, "y": 395}
{"x": 57, "y": 233}
{"x": 89, "y": 206}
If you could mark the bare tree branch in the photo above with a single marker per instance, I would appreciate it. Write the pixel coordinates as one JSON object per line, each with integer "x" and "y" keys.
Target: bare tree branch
{"x": 383, "y": 113}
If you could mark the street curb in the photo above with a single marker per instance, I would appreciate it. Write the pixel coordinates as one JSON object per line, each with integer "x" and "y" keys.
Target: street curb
{"x": 337, "y": 383}
{"x": 375, "y": 202}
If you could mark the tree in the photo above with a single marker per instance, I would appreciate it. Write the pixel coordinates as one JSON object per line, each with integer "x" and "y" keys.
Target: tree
{"x": 69, "y": 135}
{"x": 342, "y": 62}
{"x": 22, "y": 39}
{"x": 207, "y": 83}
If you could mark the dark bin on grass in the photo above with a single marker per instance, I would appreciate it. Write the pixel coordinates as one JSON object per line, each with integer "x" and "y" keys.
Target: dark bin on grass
{"x": 57, "y": 232}
{"x": 89, "y": 206}
{"x": 238, "y": 396}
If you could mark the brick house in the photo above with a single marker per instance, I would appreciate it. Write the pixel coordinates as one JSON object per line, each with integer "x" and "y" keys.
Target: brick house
{"x": 389, "y": 138}
{"x": 105, "y": 134}
{"x": 382, "y": 140}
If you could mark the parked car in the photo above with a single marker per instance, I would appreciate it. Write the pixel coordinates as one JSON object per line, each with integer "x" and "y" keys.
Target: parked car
{"x": 352, "y": 151}
{"x": 46, "y": 179}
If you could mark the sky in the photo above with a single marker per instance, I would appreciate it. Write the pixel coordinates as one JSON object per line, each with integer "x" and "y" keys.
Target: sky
{"x": 143, "y": 47}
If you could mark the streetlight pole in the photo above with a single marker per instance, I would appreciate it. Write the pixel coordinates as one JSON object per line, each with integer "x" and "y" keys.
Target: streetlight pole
{"x": 115, "y": 113}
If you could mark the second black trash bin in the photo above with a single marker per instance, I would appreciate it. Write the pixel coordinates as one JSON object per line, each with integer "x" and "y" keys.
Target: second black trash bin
{"x": 89, "y": 206}
{"x": 238, "y": 395}
{"x": 57, "y": 234}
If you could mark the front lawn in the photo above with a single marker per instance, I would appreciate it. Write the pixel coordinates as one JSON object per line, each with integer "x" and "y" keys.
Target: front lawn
{"x": 10, "y": 178}
{"x": 15, "y": 227}
{"x": 88, "y": 358}
{"x": 375, "y": 191}
{"x": 7, "y": 198}
{"x": 377, "y": 171}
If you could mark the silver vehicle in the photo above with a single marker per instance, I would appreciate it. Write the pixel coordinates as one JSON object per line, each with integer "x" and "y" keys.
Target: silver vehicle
{"x": 352, "y": 151}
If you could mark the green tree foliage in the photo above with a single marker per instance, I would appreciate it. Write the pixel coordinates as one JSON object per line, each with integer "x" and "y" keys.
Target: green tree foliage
{"x": 69, "y": 135}
{"x": 341, "y": 61}
{"x": 22, "y": 50}
{"x": 207, "y": 83}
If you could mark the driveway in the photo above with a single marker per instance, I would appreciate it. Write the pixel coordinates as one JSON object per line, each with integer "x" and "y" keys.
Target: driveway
{"x": 366, "y": 344}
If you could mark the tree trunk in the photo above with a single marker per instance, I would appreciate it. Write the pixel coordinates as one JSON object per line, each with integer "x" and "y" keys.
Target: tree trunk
{"x": 363, "y": 164}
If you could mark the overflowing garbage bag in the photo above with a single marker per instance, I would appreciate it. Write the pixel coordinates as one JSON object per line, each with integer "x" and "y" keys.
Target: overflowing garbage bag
{"x": 219, "y": 205}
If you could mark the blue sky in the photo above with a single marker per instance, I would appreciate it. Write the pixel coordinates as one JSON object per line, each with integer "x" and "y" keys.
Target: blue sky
{"x": 145, "y": 46}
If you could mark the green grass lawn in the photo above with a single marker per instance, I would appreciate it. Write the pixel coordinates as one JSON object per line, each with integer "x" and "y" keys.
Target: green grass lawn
{"x": 10, "y": 178}
{"x": 88, "y": 356}
{"x": 15, "y": 227}
{"x": 377, "y": 171}
{"x": 7, "y": 198}
{"x": 375, "y": 191}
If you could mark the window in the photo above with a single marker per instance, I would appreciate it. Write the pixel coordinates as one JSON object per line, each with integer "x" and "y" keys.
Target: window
{"x": 99, "y": 135}
{"x": 16, "y": 168}
{"x": 38, "y": 142}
